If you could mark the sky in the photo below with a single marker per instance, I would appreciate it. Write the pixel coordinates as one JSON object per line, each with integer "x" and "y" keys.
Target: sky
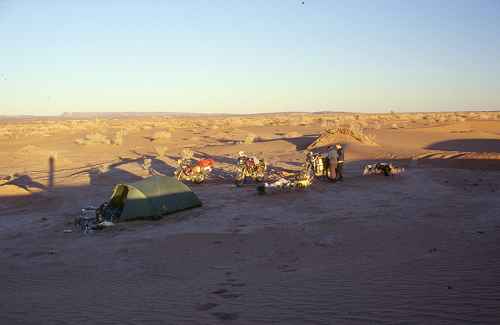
{"x": 248, "y": 56}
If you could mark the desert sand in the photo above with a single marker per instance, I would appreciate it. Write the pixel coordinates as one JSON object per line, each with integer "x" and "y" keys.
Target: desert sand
{"x": 419, "y": 248}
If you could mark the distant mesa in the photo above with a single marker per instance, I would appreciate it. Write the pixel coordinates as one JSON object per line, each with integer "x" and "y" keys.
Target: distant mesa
{"x": 130, "y": 114}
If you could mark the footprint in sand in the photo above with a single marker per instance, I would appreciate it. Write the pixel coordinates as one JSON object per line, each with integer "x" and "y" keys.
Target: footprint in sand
{"x": 224, "y": 293}
{"x": 286, "y": 268}
{"x": 219, "y": 291}
{"x": 226, "y": 316}
{"x": 207, "y": 306}
{"x": 237, "y": 284}
{"x": 230, "y": 295}
{"x": 232, "y": 284}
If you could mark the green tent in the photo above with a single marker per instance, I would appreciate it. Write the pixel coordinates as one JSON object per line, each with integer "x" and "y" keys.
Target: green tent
{"x": 152, "y": 197}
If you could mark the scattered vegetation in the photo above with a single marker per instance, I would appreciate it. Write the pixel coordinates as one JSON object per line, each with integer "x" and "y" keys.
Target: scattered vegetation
{"x": 249, "y": 139}
{"x": 187, "y": 153}
{"x": 147, "y": 164}
{"x": 93, "y": 138}
{"x": 118, "y": 139}
{"x": 161, "y": 135}
{"x": 293, "y": 134}
{"x": 160, "y": 151}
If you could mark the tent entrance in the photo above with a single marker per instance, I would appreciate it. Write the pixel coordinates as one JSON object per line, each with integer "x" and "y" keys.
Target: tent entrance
{"x": 119, "y": 197}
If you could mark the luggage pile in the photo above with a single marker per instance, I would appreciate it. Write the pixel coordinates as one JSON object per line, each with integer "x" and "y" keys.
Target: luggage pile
{"x": 383, "y": 168}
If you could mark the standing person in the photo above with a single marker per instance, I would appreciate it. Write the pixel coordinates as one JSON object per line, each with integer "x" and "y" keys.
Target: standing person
{"x": 331, "y": 163}
{"x": 340, "y": 162}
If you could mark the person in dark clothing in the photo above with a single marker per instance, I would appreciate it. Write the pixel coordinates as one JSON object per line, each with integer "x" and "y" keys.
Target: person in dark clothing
{"x": 340, "y": 163}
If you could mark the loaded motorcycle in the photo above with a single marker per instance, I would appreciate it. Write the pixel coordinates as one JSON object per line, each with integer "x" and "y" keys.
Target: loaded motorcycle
{"x": 249, "y": 167}
{"x": 196, "y": 173}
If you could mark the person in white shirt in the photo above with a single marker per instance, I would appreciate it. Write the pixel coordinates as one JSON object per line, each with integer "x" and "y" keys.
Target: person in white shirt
{"x": 332, "y": 163}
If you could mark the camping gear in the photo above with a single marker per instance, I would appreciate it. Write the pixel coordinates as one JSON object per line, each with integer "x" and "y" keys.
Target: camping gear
{"x": 152, "y": 197}
{"x": 204, "y": 163}
{"x": 296, "y": 182}
{"x": 87, "y": 220}
{"x": 249, "y": 167}
{"x": 196, "y": 173}
{"x": 385, "y": 168}
{"x": 318, "y": 163}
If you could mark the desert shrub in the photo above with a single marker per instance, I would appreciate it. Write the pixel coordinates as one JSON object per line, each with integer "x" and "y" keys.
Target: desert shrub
{"x": 29, "y": 149}
{"x": 293, "y": 134}
{"x": 187, "y": 153}
{"x": 359, "y": 133}
{"x": 146, "y": 164}
{"x": 236, "y": 121}
{"x": 162, "y": 135}
{"x": 484, "y": 116}
{"x": 295, "y": 122}
{"x": 160, "y": 151}
{"x": 5, "y": 133}
{"x": 250, "y": 138}
{"x": 118, "y": 139}
{"x": 93, "y": 138}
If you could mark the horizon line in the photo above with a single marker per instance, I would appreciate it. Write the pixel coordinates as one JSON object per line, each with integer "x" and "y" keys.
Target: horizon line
{"x": 166, "y": 113}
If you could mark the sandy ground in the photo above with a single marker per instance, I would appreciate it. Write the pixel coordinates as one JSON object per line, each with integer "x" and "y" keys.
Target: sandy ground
{"x": 421, "y": 248}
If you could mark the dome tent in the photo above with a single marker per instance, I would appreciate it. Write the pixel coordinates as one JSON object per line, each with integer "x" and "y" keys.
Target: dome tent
{"x": 152, "y": 197}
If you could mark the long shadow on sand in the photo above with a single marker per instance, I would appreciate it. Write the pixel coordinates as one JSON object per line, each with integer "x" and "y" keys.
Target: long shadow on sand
{"x": 26, "y": 182}
{"x": 101, "y": 182}
{"x": 300, "y": 143}
{"x": 468, "y": 145}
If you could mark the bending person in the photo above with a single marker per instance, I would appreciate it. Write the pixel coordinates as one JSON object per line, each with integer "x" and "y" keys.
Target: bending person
{"x": 340, "y": 162}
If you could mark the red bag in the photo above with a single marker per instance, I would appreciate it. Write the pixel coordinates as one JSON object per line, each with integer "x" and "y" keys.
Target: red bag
{"x": 205, "y": 163}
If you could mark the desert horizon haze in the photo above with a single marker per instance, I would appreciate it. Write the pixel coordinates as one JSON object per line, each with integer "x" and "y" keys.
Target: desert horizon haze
{"x": 248, "y": 56}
